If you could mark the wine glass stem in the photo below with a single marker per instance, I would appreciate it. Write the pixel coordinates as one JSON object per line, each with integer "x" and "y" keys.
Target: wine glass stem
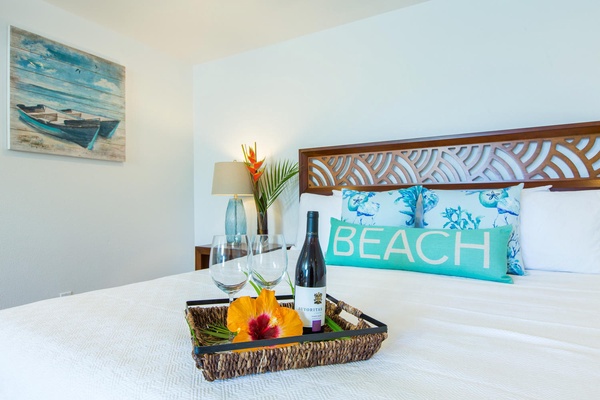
{"x": 231, "y": 336}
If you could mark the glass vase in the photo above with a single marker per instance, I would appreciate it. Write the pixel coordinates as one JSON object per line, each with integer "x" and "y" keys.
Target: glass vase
{"x": 262, "y": 223}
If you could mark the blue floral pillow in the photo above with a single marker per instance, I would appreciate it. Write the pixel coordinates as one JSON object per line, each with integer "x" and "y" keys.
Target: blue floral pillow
{"x": 391, "y": 208}
{"x": 477, "y": 209}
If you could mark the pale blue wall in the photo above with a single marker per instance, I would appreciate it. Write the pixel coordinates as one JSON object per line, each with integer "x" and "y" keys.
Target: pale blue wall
{"x": 70, "y": 224}
{"x": 440, "y": 67}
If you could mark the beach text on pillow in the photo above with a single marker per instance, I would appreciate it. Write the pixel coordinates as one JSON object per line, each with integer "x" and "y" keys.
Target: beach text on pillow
{"x": 479, "y": 254}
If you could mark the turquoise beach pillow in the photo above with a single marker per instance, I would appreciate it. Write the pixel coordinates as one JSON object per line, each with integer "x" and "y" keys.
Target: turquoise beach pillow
{"x": 479, "y": 254}
{"x": 390, "y": 208}
{"x": 477, "y": 209}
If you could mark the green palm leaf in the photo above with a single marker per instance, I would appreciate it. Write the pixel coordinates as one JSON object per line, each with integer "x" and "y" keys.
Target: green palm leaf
{"x": 273, "y": 181}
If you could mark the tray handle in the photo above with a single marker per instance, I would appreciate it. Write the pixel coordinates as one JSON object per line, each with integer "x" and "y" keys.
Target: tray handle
{"x": 349, "y": 309}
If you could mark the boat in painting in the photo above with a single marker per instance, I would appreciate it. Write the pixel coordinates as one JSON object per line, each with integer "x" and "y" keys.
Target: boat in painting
{"x": 59, "y": 124}
{"x": 108, "y": 126}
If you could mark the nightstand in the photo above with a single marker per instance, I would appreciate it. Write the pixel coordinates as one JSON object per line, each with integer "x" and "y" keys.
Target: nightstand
{"x": 202, "y": 255}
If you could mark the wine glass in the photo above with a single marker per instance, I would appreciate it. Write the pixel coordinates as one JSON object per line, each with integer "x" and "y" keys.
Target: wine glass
{"x": 269, "y": 260}
{"x": 230, "y": 263}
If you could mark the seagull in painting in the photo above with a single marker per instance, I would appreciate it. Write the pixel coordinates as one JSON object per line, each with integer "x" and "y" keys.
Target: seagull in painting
{"x": 78, "y": 70}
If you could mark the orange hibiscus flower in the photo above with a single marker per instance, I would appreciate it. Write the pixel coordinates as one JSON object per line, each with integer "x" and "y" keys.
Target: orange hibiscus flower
{"x": 262, "y": 318}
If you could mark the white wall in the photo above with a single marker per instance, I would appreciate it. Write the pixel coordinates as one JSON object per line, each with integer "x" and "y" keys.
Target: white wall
{"x": 69, "y": 224}
{"x": 439, "y": 67}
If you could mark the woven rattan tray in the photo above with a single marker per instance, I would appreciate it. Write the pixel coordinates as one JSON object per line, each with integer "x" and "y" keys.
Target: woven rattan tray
{"x": 359, "y": 341}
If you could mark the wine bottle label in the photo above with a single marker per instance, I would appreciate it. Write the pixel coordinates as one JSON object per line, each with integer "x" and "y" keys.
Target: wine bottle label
{"x": 310, "y": 304}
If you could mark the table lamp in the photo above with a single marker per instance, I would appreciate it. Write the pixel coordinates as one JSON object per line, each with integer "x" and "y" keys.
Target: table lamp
{"x": 232, "y": 179}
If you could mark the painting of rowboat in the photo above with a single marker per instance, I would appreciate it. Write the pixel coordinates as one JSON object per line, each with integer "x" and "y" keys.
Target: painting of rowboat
{"x": 64, "y": 101}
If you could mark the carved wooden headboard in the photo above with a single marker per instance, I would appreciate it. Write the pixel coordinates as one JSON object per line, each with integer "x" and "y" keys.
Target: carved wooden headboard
{"x": 566, "y": 156}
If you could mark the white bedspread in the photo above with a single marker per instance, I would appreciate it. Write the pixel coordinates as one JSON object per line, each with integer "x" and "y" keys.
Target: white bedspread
{"x": 449, "y": 338}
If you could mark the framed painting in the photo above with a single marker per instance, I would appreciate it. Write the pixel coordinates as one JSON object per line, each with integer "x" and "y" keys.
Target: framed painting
{"x": 64, "y": 101}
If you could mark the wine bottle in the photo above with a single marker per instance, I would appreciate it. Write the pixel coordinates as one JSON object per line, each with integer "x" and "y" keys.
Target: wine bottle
{"x": 311, "y": 278}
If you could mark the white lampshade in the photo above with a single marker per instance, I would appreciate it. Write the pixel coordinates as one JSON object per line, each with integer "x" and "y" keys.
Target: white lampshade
{"x": 231, "y": 178}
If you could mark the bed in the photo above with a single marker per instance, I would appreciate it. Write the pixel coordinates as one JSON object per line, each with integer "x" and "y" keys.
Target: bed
{"x": 450, "y": 337}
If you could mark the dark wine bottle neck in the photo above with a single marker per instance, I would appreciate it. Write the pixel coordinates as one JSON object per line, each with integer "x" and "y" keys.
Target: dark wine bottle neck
{"x": 312, "y": 224}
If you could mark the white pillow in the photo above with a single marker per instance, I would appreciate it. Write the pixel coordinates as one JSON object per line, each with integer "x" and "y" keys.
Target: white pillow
{"x": 560, "y": 231}
{"x": 536, "y": 189}
{"x": 327, "y": 206}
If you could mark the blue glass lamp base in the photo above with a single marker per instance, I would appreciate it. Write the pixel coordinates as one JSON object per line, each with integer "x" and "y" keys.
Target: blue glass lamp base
{"x": 235, "y": 217}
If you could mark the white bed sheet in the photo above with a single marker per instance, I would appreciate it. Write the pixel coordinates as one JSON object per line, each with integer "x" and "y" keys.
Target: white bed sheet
{"x": 450, "y": 338}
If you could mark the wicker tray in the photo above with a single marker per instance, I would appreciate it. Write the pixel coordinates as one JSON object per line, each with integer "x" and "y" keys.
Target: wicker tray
{"x": 359, "y": 341}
